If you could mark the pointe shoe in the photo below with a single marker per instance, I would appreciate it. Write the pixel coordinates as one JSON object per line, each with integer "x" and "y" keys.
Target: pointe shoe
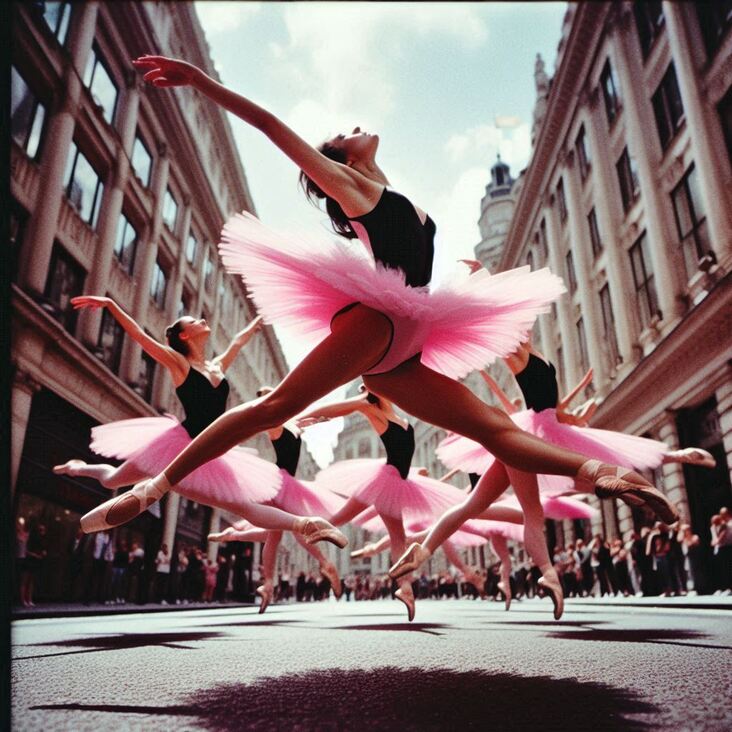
{"x": 554, "y": 590}
{"x": 330, "y": 572}
{"x": 614, "y": 482}
{"x": 366, "y": 551}
{"x": 505, "y": 587}
{"x": 68, "y": 467}
{"x": 266, "y": 592}
{"x": 316, "y": 529}
{"x": 405, "y": 594}
{"x": 409, "y": 561}
{"x": 693, "y": 456}
{"x": 120, "y": 510}
{"x": 477, "y": 581}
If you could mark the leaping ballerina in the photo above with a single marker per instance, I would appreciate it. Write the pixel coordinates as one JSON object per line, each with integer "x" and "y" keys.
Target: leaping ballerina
{"x": 237, "y": 478}
{"x": 370, "y": 316}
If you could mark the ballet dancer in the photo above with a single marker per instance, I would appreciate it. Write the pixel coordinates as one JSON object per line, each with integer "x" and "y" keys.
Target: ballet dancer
{"x": 537, "y": 380}
{"x": 294, "y": 496}
{"x": 396, "y": 493}
{"x": 373, "y": 314}
{"x": 238, "y": 478}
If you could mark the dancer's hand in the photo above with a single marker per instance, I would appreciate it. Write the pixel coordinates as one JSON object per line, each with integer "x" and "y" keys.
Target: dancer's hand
{"x": 91, "y": 301}
{"x": 163, "y": 71}
{"x": 303, "y": 422}
{"x": 256, "y": 325}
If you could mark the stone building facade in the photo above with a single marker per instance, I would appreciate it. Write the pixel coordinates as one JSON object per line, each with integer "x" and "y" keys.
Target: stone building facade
{"x": 118, "y": 190}
{"x": 628, "y": 195}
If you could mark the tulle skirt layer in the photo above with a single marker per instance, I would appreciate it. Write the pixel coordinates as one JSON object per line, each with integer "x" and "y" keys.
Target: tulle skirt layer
{"x": 303, "y": 498}
{"x": 611, "y": 447}
{"x": 151, "y": 444}
{"x": 376, "y": 484}
{"x": 461, "y": 325}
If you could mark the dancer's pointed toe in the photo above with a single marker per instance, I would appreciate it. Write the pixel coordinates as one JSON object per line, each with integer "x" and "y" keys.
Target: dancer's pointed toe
{"x": 330, "y": 572}
{"x": 695, "y": 456}
{"x": 477, "y": 580}
{"x": 409, "y": 561}
{"x": 68, "y": 468}
{"x": 554, "y": 589}
{"x": 266, "y": 592}
{"x": 317, "y": 529}
{"x": 505, "y": 587}
{"x": 614, "y": 482}
{"x": 405, "y": 594}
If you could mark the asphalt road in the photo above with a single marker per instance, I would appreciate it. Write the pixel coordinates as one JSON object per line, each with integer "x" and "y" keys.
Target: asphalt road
{"x": 357, "y": 666}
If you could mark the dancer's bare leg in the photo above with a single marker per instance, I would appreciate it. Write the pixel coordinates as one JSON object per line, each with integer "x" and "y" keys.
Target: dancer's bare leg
{"x": 397, "y": 538}
{"x": 359, "y": 339}
{"x": 327, "y": 568}
{"x": 500, "y": 548}
{"x": 269, "y": 560}
{"x": 469, "y": 574}
{"x": 231, "y": 534}
{"x": 527, "y": 492}
{"x": 502, "y": 513}
{"x": 107, "y": 475}
{"x": 348, "y": 511}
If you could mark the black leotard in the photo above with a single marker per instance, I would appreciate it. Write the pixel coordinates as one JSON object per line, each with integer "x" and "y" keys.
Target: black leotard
{"x": 202, "y": 401}
{"x": 398, "y": 238}
{"x": 538, "y": 384}
{"x": 399, "y": 446}
{"x": 287, "y": 449}
{"x": 473, "y": 478}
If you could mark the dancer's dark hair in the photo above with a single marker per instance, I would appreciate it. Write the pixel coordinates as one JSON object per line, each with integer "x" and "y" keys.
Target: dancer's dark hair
{"x": 338, "y": 219}
{"x": 370, "y": 398}
{"x": 172, "y": 333}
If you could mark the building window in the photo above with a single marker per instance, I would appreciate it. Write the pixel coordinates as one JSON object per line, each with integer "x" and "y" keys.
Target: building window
{"x": 714, "y": 20}
{"x": 57, "y": 17}
{"x": 170, "y": 210}
{"x": 125, "y": 245}
{"x": 583, "y": 155}
{"x": 724, "y": 108}
{"x": 141, "y": 161}
{"x": 543, "y": 245}
{"x": 18, "y": 222}
{"x": 65, "y": 280}
{"x": 667, "y": 107}
{"x": 561, "y": 200}
{"x": 691, "y": 223}
{"x": 571, "y": 276}
{"x": 84, "y": 187}
{"x": 27, "y": 115}
{"x": 560, "y": 364}
{"x": 158, "y": 286}
{"x": 649, "y": 22}
{"x": 208, "y": 272}
{"x": 99, "y": 82}
{"x": 582, "y": 341}
{"x": 146, "y": 377}
{"x": 643, "y": 280}
{"x": 184, "y": 306}
{"x": 608, "y": 323}
{"x": 191, "y": 248}
{"x": 610, "y": 92}
{"x": 530, "y": 259}
{"x": 628, "y": 179}
{"x": 364, "y": 447}
{"x": 111, "y": 336}
{"x": 594, "y": 233}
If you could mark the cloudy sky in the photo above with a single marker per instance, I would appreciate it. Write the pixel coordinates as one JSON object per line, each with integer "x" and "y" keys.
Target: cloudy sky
{"x": 429, "y": 78}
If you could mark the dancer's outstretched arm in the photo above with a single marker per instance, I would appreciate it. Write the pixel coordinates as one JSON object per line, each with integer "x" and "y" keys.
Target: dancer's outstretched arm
{"x": 238, "y": 342}
{"x": 583, "y": 382}
{"x": 355, "y": 193}
{"x": 175, "y": 362}
{"x": 500, "y": 394}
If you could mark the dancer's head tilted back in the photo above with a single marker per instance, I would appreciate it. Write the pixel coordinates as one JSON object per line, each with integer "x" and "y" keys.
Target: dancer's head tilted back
{"x": 185, "y": 330}
{"x": 357, "y": 150}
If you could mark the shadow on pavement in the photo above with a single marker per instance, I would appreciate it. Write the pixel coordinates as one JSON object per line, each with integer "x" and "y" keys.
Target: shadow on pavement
{"x": 661, "y": 637}
{"x": 429, "y": 628}
{"x": 92, "y": 644}
{"x": 401, "y": 699}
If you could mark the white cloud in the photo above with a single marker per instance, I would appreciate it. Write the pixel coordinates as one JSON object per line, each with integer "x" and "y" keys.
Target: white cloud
{"x": 225, "y": 17}
{"x": 483, "y": 142}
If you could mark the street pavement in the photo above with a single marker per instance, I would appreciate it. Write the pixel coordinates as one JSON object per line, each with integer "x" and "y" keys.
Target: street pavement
{"x": 358, "y": 666}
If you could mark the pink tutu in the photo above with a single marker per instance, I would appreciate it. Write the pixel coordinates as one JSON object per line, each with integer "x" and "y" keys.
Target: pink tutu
{"x": 303, "y": 499}
{"x": 377, "y": 484}
{"x": 488, "y": 529}
{"x": 151, "y": 444}
{"x": 556, "y": 508}
{"x": 460, "y": 326}
{"x": 611, "y": 447}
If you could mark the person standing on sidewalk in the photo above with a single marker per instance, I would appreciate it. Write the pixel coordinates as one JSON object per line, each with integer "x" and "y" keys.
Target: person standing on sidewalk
{"x": 162, "y": 574}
